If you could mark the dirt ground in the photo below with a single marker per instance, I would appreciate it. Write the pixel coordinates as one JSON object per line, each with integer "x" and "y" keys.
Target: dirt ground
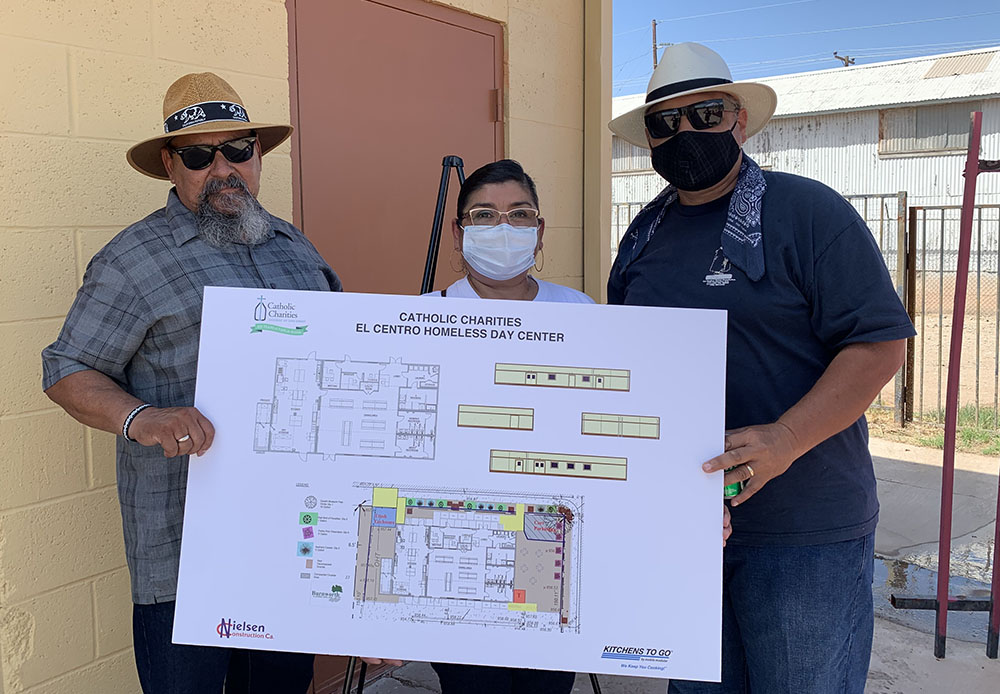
{"x": 979, "y": 374}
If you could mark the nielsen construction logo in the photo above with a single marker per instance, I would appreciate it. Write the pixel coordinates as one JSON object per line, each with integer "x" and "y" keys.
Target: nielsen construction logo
{"x": 227, "y": 628}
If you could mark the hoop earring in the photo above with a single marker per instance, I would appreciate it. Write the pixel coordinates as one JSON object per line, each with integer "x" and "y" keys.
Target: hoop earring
{"x": 538, "y": 268}
{"x": 461, "y": 263}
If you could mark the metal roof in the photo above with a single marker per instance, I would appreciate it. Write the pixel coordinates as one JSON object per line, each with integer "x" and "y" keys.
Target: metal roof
{"x": 962, "y": 76}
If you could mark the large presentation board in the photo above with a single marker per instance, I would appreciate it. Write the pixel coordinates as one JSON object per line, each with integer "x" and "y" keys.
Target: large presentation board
{"x": 494, "y": 482}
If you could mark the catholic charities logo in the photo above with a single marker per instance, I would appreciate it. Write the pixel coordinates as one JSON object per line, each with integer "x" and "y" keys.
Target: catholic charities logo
{"x": 276, "y": 317}
{"x": 227, "y": 628}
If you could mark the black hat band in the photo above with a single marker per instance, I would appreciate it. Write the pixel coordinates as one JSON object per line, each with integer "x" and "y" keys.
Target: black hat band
{"x": 686, "y": 85}
{"x": 205, "y": 112}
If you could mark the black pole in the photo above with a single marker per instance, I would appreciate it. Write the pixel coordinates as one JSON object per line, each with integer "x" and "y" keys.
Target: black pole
{"x": 430, "y": 266}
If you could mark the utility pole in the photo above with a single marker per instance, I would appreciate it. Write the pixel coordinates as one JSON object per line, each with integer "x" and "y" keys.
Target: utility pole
{"x": 654, "y": 44}
{"x": 845, "y": 59}
{"x": 657, "y": 46}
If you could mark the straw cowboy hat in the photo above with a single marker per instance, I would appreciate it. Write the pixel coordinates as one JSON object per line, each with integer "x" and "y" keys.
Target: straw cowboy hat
{"x": 690, "y": 68}
{"x": 201, "y": 103}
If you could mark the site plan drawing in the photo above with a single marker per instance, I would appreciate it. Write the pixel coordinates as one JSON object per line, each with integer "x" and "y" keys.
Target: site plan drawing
{"x": 563, "y": 464}
{"x": 635, "y": 426}
{"x": 460, "y": 557}
{"x": 344, "y": 407}
{"x": 562, "y": 377}
{"x": 425, "y": 479}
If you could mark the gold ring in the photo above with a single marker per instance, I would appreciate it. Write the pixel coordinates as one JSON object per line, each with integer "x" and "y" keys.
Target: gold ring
{"x": 188, "y": 436}
{"x": 747, "y": 466}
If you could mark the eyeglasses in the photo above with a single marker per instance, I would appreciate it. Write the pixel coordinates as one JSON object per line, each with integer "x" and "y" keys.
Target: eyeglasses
{"x": 518, "y": 217}
{"x": 198, "y": 157}
{"x": 701, "y": 115}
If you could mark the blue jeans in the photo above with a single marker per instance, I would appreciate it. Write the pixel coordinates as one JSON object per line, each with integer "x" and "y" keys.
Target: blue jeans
{"x": 795, "y": 620}
{"x": 167, "y": 668}
{"x": 479, "y": 679}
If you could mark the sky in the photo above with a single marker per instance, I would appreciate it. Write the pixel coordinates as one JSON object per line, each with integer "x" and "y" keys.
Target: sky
{"x": 759, "y": 38}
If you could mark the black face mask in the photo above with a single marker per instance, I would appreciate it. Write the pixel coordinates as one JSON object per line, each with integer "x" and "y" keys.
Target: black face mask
{"x": 695, "y": 160}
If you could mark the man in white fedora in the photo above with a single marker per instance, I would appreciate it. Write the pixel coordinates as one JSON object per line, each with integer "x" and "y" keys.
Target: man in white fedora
{"x": 125, "y": 359}
{"x": 815, "y": 331}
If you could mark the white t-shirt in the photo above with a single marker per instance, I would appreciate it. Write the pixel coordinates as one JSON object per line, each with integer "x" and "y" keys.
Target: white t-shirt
{"x": 547, "y": 291}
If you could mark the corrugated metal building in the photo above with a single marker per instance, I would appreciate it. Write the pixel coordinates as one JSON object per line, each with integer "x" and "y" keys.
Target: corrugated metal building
{"x": 864, "y": 130}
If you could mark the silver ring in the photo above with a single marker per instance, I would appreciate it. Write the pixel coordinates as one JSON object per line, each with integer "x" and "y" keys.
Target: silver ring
{"x": 747, "y": 466}
{"x": 186, "y": 437}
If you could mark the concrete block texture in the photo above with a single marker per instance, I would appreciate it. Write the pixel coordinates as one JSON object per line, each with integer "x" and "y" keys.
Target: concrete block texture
{"x": 563, "y": 250}
{"x": 55, "y": 543}
{"x": 35, "y": 85}
{"x": 545, "y": 70}
{"x": 491, "y": 9}
{"x": 101, "y": 458}
{"x": 120, "y": 97}
{"x": 112, "y": 675}
{"x": 113, "y": 602}
{"x": 61, "y": 182}
{"x": 21, "y": 368}
{"x": 119, "y": 25}
{"x": 48, "y": 451}
{"x": 37, "y": 273}
{"x": 190, "y": 31}
{"x": 47, "y": 636}
{"x": 88, "y": 242}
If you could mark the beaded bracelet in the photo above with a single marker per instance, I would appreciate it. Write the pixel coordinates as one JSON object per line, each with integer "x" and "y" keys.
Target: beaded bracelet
{"x": 128, "y": 420}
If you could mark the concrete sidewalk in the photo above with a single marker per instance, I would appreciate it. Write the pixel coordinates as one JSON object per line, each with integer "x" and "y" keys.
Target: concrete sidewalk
{"x": 903, "y": 662}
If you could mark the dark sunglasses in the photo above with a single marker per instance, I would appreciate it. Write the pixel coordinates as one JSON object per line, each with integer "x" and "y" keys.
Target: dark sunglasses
{"x": 197, "y": 157}
{"x": 701, "y": 115}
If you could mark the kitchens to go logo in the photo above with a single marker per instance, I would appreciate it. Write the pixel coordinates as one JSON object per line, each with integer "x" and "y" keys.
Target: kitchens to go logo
{"x": 276, "y": 317}
{"x": 227, "y": 628}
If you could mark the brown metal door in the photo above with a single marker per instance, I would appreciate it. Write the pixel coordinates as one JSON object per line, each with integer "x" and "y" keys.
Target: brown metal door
{"x": 382, "y": 90}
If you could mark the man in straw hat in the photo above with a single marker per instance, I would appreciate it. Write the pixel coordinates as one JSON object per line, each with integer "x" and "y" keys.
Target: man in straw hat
{"x": 125, "y": 359}
{"x": 815, "y": 331}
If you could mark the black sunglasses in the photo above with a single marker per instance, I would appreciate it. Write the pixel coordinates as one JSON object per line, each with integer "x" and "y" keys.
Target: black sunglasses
{"x": 701, "y": 115}
{"x": 197, "y": 157}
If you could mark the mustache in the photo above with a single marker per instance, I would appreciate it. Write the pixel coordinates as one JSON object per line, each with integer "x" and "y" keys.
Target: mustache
{"x": 215, "y": 185}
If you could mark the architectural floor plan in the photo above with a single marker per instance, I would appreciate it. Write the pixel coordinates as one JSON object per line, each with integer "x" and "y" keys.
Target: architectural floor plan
{"x": 345, "y": 407}
{"x": 491, "y": 559}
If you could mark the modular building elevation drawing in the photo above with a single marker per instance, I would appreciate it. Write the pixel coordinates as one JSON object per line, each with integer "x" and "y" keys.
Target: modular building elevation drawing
{"x": 487, "y": 417}
{"x": 460, "y": 557}
{"x": 562, "y": 464}
{"x": 345, "y": 407}
{"x": 562, "y": 377}
{"x": 632, "y": 426}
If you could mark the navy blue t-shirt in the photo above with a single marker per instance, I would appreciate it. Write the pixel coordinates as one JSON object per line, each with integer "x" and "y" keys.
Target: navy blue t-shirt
{"x": 825, "y": 286}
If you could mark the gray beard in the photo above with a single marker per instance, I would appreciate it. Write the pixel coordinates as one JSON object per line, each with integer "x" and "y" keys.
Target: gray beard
{"x": 242, "y": 220}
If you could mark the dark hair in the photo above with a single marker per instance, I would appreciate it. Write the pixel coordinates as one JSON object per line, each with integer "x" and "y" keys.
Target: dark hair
{"x": 495, "y": 172}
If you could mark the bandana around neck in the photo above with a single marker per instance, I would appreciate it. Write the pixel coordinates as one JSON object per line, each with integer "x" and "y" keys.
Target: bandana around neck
{"x": 742, "y": 242}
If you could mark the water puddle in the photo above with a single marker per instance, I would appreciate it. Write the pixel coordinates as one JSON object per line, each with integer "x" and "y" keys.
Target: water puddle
{"x": 916, "y": 576}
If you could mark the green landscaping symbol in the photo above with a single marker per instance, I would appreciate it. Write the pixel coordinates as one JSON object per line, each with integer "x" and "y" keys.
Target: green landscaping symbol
{"x": 336, "y": 589}
{"x": 307, "y": 518}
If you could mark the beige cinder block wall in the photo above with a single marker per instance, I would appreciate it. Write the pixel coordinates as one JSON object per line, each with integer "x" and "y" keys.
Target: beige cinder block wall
{"x": 82, "y": 80}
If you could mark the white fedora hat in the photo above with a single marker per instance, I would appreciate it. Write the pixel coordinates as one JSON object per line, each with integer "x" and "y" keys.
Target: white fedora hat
{"x": 690, "y": 68}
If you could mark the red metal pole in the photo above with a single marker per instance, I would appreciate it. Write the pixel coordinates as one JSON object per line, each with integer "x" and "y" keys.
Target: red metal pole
{"x": 954, "y": 371}
{"x": 993, "y": 635}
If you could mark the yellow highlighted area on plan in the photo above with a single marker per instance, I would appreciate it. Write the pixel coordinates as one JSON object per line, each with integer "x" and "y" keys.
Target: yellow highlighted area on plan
{"x": 513, "y": 523}
{"x": 400, "y": 510}
{"x": 385, "y": 497}
{"x": 522, "y": 607}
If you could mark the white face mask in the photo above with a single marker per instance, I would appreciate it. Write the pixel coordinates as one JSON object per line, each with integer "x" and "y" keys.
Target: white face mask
{"x": 499, "y": 252}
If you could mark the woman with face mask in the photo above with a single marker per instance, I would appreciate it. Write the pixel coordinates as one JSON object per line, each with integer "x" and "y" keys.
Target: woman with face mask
{"x": 498, "y": 239}
{"x": 498, "y": 236}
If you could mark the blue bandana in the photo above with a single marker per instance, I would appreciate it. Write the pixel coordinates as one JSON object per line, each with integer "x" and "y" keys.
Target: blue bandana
{"x": 742, "y": 242}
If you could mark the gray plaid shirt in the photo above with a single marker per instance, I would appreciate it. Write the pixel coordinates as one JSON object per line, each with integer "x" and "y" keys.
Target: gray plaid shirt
{"x": 136, "y": 319}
